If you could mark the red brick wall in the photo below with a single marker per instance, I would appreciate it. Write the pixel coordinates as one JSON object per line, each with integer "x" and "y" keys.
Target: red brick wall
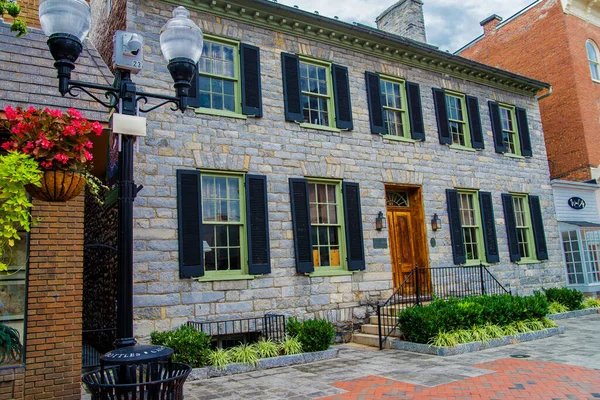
{"x": 54, "y": 310}
{"x": 545, "y": 44}
{"x": 29, "y": 12}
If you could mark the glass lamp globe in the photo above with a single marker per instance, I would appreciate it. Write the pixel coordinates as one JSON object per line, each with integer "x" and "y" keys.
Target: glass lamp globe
{"x": 70, "y": 17}
{"x": 180, "y": 37}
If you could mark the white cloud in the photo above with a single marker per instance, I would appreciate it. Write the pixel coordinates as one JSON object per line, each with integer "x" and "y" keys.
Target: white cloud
{"x": 449, "y": 24}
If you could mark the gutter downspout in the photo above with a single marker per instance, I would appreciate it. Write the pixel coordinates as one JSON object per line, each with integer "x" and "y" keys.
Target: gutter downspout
{"x": 548, "y": 93}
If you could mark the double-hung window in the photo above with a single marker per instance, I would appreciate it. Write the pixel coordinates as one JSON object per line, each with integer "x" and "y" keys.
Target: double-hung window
{"x": 592, "y": 55}
{"x": 524, "y": 227}
{"x": 223, "y": 225}
{"x": 472, "y": 226}
{"x": 316, "y": 93}
{"x": 228, "y": 82}
{"x": 394, "y": 107}
{"x": 458, "y": 119}
{"x": 327, "y": 224}
{"x": 511, "y": 129}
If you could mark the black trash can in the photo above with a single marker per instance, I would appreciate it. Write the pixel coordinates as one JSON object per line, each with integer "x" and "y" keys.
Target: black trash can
{"x": 138, "y": 373}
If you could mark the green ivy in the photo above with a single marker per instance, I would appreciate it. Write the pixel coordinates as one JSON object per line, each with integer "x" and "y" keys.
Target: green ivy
{"x": 11, "y": 8}
{"x": 16, "y": 171}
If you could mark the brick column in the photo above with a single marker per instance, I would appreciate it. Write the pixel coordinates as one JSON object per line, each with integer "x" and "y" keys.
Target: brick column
{"x": 55, "y": 295}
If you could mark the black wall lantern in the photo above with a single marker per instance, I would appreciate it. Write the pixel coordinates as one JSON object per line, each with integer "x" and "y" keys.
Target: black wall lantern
{"x": 380, "y": 221}
{"x": 436, "y": 223}
{"x": 67, "y": 23}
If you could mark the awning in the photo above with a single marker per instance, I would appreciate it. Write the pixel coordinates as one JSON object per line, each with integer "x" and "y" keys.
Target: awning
{"x": 584, "y": 224}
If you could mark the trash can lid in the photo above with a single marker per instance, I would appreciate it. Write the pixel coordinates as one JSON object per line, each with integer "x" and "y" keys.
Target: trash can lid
{"x": 136, "y": 354}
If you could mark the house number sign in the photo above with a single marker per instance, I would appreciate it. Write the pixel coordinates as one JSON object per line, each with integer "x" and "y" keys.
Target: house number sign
{"x": 576, "y": 203}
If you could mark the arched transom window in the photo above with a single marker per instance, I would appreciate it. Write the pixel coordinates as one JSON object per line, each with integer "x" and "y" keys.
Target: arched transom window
{"x": 592, "y": 55}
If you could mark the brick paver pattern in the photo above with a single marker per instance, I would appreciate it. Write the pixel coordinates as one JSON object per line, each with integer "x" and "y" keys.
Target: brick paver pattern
{"x": 512, "y": 379}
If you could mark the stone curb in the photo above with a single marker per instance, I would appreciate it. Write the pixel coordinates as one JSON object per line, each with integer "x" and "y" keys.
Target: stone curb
{"x": 263, "y": 363}
{"x": 474, "y": 346}
{"x": 574, "y": 314}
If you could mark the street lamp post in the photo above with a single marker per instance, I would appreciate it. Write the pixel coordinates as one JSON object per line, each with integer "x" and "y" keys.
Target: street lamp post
{"x": 67, "y": 23}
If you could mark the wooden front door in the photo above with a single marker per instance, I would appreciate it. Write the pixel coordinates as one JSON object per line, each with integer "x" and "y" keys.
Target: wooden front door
{"x": 401, "y": 245}
{"x": 407, "y": 236}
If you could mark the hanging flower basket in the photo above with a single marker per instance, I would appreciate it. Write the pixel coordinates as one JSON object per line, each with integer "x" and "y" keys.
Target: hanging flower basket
{"x": 58, "y": 185}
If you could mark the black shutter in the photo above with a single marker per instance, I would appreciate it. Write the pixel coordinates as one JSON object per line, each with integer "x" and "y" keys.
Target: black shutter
{"x": 292, "y": 96}
{"x": 537, "y": 223}
{"x": 301, "y": 225}
{"x": 475, "y": 122}
{"x": 497, "y": 127}
{"x": 341, "y": 91}
{"x": 441, "y": 114}
{"x": 511, "y": 227}
{"x": 354, "y": 231}
{"x": 193, "y": 99}
{"x": 250, "y": 80}
{"x": 489, "y": 227}
{"x": 524, "y": 136}
{"x": 189, "y": 216}
{"x": 415, "y": 111}
{"x": 374, "y": 102}
{"x": 456, "y": 235}
{"x": 259, "y": 254}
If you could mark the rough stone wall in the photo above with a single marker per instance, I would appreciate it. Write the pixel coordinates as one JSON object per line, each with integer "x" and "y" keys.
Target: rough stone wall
{"x": 405, "y": 18}
{"x": 54, "y": 303}
{"x": 281, "y": 150}
{"x": 548, "y": 45}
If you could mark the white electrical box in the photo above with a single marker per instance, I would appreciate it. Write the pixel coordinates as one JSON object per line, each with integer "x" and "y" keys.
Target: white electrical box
{"x": 128, "y": 124}
{"x": 128, "y": 52}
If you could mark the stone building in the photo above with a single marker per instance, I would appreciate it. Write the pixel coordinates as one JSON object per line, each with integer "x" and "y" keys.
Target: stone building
{"x": 263, "y": 197}
{"x": 562, "y": 36}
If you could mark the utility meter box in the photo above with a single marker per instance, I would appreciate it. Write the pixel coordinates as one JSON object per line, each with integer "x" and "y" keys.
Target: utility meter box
{"x": 129, "y": 51}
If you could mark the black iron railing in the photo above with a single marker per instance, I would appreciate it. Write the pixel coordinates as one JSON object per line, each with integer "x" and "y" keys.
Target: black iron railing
{"x": 271, "y": 326}
{"x": 95, "y": 343}
{"x": 422, "y": 284}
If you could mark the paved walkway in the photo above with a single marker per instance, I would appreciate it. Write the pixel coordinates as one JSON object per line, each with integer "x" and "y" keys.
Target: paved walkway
{"x": 561, "y": 367}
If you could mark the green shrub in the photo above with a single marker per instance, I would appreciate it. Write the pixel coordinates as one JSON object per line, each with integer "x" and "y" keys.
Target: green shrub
{"x": 557, "y": 308}
{"x": 267, "y": 348}
{"x": 591, "y": 303}
{"x": 570, "y": 298}
{"x": 290, "y": 345}
{"x": 245, "y": 354}
{"x": 420, "y": 324}
{"x": 314, "y": 334}
{"x": 293, "y": 327}
{"x": 189, "y": 345}
{"x": 219, "y": 358}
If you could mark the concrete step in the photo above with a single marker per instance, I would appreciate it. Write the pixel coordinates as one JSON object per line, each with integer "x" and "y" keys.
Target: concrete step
{"x": 385, "y": 320}
{"x": 373, "y": 329}
{"x": 369, "y": 340}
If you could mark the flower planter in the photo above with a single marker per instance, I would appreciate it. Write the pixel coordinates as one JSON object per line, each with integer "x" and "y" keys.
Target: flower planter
{"x": 58, "y": 185}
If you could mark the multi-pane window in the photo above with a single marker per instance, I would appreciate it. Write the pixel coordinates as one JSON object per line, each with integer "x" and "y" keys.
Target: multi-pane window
{"x": 573, "y": 260}
{"x": 592, "y": 55}
{"x": 219, "y": 76}
{"x": 223, "y": 223}
{"x": 317, "y": 105}
{"x": 394, "y": 107}
{"x": 510, "y": 134}
{"x": 326, "y": 223}
{"x": 470, "y": 220}
{"x": 523, "y": 224}
{"x": 457, "y": 120}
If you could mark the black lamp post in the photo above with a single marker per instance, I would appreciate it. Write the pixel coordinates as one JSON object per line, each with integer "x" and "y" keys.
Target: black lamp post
{"x": 67, "y": 23}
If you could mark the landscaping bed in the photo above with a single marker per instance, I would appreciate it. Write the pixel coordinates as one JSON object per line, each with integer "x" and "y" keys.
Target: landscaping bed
{"x": 574, "y": 314}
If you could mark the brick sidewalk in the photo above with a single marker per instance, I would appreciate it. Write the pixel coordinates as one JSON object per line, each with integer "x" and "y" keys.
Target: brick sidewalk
{"x": 512, "y": 379}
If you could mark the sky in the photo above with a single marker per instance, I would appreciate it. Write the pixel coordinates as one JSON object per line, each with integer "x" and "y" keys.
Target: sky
{"x": 449, "y": 24}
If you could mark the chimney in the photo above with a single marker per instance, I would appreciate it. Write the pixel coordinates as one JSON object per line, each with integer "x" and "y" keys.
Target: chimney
{"x": 405, "y": 18}
{"x": 490, "y": 23}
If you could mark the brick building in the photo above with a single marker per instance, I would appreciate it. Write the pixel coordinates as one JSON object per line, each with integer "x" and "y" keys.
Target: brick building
{"x": 264, "y": 196}
{"x": 554, "y": 41}
{"x": 41, "y": 294}
{"x": 557, "y": 42}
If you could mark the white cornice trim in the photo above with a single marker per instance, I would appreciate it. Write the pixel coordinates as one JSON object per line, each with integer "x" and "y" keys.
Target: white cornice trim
{"x": 587, "y": 10}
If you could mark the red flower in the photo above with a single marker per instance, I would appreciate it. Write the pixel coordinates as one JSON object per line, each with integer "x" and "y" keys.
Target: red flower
{"x": 46, "y": 164}
{"x": 11, "y": 114}
{"x": 74, "y": 113}
{"x": 69, "y": 130}
{"x": 61, "y": 158}
{"x": 89, "y": 144}
{"x": 88, "y": 156}
{"x": 56, "y": 113}
{"x": 97, "y": 128}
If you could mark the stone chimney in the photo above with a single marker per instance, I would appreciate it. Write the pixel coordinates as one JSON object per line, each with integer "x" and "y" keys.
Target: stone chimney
{"x": 405, "y": 18}
{"x": 490, "y": 23}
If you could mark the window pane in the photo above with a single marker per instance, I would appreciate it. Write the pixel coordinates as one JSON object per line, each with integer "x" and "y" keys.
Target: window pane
{"x": 234, "y": 259}
{"x": 204, "y": 83}
{"x": 208, "y": 210}
{"x": 229, "y": 103}
{"x": 205, "y": 100}
{"x": 333, "y": 214}
{"x": 221, "y": 235}
{"x": 321, "y": 193}
{"x": 234, "y": 188}
{"x": 234, "y": 211}
{"x": 228, "y": 53}
{"x": 228, "y": 87}
{"x": 222, "y": 260}
{"x": 591, "y": 52}
{"x": 234, "y": 235}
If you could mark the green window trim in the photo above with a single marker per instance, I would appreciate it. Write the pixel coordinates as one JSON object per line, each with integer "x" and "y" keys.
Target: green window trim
{"x": 473, "y": 241}
{"x": 219, "y": 113}
{"x": 524, "y": 228}
{"x": 316, "y": 209}
{"x": 223, "y": 91}
{"x": 212, "y": 221}
{"x": 319, "y": 127}
{"x": 325, "y": 99}
{"x": 390, "y": 107}
{"x": 510, "y": 130}
{"x": 456, "y": 107}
